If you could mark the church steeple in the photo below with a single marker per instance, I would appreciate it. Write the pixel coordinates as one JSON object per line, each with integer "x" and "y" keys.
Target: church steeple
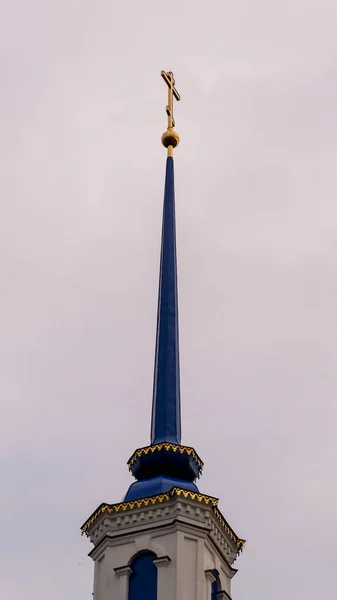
{"x": 166, "y": 419}
{"x": 165, "y": 539}
{"x": 166, "y": 462}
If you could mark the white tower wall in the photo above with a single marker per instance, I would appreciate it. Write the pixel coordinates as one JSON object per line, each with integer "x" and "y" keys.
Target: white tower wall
{"x": 189, "y": 540}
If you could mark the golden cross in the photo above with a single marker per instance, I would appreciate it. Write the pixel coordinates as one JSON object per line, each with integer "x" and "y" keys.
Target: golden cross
{"x": 169, "y": 80}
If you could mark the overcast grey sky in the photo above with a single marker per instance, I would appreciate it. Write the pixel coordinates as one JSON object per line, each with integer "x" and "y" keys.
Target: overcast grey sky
{"x": 82, "y": 175}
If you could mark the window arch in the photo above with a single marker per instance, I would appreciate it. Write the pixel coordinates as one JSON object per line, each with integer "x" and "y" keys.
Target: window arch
{"x": 143, "y": 580}
{"x": 216, "y": 585}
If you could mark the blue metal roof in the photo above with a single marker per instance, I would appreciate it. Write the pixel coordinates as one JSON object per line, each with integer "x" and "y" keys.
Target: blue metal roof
{"x": 155, "y": 486}
{"x": 165, "y": 463}
{"x": 166, "y": 420}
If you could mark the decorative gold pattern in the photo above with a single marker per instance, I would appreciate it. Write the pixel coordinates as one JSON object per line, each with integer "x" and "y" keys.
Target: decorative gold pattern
{"x": 240, "y": 543}
{"x": 159, "y": 499}
{"x": 165, "y": 446}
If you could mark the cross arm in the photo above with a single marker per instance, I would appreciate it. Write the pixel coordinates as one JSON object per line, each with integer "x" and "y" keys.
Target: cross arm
{"x": 168, "y": 78}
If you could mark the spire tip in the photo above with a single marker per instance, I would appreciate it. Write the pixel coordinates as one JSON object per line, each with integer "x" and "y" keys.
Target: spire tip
{"x": 170, "y": 138}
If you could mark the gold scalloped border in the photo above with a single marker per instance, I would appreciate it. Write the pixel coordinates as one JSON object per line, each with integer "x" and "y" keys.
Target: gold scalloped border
{"x": 165, "y": 446}
{"x": 159, "y": 499}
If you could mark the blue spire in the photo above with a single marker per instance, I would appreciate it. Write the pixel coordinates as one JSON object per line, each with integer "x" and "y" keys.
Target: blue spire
{"x": 166, "y": 464}
{"x": 166, "y": 419}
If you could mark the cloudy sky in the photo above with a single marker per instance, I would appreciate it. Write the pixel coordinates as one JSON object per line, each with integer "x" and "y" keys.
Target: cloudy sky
{"x": 81, "y": 177}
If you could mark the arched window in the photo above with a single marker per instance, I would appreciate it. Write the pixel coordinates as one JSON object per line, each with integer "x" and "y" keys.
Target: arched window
{"x": 216, "y": 585}
{"x": 143, "y": 580}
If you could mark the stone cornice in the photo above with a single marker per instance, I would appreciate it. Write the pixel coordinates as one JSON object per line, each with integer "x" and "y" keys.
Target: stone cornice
{"x": 125, "y": 507}
{"x": 181, "y": 506}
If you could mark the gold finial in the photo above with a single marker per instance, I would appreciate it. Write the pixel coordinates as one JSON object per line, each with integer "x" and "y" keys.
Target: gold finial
{"x": 170, "y": 138}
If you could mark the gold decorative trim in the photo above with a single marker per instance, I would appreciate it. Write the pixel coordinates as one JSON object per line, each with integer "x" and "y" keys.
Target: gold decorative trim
{"x": 159, "y": 499}
{"x": 165, "y": 446}
{"x": 240, "y": 543}
{"x": 194, "y": 496}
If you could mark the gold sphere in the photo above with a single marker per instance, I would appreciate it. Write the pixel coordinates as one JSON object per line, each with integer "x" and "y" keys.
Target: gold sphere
{"x": 170, "y": 138}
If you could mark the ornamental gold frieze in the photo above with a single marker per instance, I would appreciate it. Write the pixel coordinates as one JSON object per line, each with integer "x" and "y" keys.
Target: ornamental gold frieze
{"x": 165, "y": 446}
{"x": 160, "y": 499}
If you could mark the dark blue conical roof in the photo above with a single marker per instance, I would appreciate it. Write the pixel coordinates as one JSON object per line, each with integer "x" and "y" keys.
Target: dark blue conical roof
{"x": 166, "y": 419}
{"x": 165, "y": 463}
